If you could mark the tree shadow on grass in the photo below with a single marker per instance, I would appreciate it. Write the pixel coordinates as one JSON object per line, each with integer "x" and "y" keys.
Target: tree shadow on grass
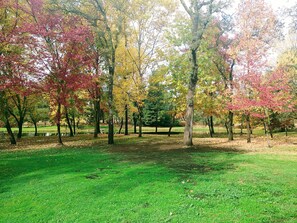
{"x": 117, "y": 169}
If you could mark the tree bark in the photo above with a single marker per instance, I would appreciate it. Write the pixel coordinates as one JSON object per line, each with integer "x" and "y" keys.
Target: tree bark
{"x": 126, "y": 120}
{"x": 135, "y": 123}
{"x": 121, "y": 126}
{"x": 248, "y": 126}
{"x": 209, "y": 127}
{"x": 68, "y": 122}
{"x": 230, "y": 126}
{"x": 59, "y": 124}
{"x": 110, "y": 101}
{"x": 140, "y": 122}
{"x": 97, "y": 117}
{"x": 270, "y": 131}
{"x": 35, "y": 128}
{"x": 10, "y": 133}
{"x": 188, "y": 132}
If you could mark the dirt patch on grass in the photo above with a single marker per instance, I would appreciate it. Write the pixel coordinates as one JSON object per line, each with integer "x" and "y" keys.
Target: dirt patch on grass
{"x": 153, "y": 143}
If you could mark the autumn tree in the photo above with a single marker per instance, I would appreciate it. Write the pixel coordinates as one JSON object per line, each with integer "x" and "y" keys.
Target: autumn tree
{"x": 105, "y": 18}
{"x": 145, "y": 24}
{"x": 62, "y": 51}
{"x": 201, "y": 14}
{"x": 256, "y": 25}
{"x": 16, "y": 67}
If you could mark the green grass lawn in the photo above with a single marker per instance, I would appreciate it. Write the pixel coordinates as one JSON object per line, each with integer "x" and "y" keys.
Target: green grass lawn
{"x": 136, "y": 181}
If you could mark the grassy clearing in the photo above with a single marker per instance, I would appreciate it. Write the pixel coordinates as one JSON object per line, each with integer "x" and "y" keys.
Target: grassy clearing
{"x": 152, "y": 179}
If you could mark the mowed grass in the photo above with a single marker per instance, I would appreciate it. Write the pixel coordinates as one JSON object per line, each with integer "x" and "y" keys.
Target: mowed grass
{"x": 152, "y": 179}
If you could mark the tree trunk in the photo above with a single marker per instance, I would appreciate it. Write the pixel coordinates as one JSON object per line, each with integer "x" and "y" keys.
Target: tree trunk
{"x": 59, "y": 124}
{"x": 270, "y": 131}
{"x": 135, "y": 123}
{"x": 73, "y": 123}
{"x": 121, "y": 126}
{"x": 241, "y": 126}
{"x": 20, "y": 127}
{"x": 140, "y": 122}
{"x": 230, "y": 126}
{"x": 169, "y": 131}
{"x": 209, "y": 127}
{"x": 126, "y": 120}
{"x": 265, "y": 128}
{"x": 10, "y": 133}
{"x": 97, "y": 118}
{"x": 248, "y": 126}
{"x": 110, "y": 101}
{"x": 286, "y": 129}
{"x": 156, "y": 126}
{"x": 188, "y": 132}
{"x": 35, "y": 128}
{"x": 68, "y": 122}
{"x": 226, "y": 127}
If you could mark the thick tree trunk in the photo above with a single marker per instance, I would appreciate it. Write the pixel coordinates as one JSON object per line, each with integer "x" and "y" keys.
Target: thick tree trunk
{"x": 230, "y": 126}
{"x": 10, "y": 133}
{"x": 188, "y": 132}
{"x": 68, "y": 122}
{"x": 59, "y": 124}
{"x": 248, "y": 126}
{"x": 126, "y": 120}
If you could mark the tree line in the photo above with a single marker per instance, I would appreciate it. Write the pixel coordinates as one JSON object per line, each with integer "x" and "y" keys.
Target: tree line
{"x": 153, "y": 63}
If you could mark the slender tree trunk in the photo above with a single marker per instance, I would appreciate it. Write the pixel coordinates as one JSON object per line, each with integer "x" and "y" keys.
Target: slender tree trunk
{"x": 248, "y": 126}
{"x": 227, "y": 127}
{"x": 110, "y": 101}
{"x": 140, "y": 122}
{"x": 286, "y": 129}
{"x": 68, "y": 122}
{"x": 10, "y": 133}
{"x": 265, "y": 128}
{"x": 121, "y": 126}
{"x": 97, "y": 118}
{"x": 35, "y": 128}
{"x": 156, "y": 120}
{"x": 126, "y": 120}
{"x": 270, "y": 131}
{"x": 103, "y": 116}
{"x": 241, "y": 126}
{"x": 59, "y": 124}
{"x": 209, "y": 127}
{"x": 135, "y": 123}
{"x": 73, "y": 123}
{"x": 20, "y": 127}
{"x": 230, "y": 126}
